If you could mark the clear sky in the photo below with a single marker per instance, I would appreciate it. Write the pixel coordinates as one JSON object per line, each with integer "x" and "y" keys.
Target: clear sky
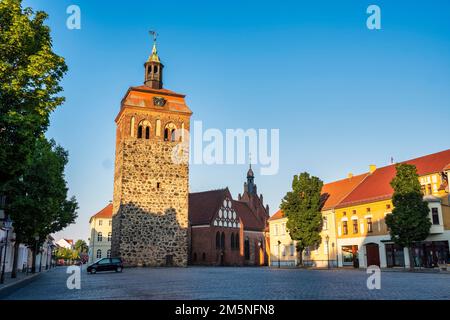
{"x": 342, "y": 96}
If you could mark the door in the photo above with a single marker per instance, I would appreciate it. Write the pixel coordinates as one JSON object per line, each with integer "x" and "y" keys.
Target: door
{"x": 373, "y": 254}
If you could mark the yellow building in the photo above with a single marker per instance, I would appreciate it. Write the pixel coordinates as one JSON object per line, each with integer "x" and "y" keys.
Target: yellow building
{"x": 354, "y": 230}
{"x": 362, "y": 235}
{"x": 100, "y": 234}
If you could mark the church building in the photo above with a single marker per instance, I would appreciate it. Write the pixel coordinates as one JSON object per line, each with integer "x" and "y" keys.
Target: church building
{"x": 225, "y": 231}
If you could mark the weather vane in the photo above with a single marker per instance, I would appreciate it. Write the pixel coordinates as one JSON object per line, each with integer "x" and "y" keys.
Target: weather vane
{"x": 154, "y": 34}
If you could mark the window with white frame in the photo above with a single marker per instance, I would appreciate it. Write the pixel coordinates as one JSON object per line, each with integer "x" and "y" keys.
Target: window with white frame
{"x": 99, "y": 253}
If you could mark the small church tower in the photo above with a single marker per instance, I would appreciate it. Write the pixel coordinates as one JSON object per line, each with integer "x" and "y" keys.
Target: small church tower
{"x": 150, "y": 202}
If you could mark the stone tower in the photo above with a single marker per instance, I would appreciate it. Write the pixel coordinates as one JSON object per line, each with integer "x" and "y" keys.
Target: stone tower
{"x": 150, "y": 202}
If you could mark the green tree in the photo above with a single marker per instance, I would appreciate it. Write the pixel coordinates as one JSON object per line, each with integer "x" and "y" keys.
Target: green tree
{"x": 302, "y": 206}
{"x": 38, "y": 202}
{"x": 81, "y": 246}
{"x": 30, "y": 73}
{"x": 409, "y": 221}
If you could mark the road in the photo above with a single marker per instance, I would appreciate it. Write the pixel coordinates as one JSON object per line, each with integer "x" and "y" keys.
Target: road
{"x": 235, "y": 283}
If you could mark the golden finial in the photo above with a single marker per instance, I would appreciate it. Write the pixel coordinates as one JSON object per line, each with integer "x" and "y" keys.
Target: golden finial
{"x": 154, "y": 56}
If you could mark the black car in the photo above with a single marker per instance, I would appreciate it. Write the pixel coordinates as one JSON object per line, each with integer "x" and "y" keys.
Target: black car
{"x": 106, "y": 264}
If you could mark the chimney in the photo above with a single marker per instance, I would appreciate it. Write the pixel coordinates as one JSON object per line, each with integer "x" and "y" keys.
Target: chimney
{"x": 372, "y": 168}
{"x": 350, "y": 175}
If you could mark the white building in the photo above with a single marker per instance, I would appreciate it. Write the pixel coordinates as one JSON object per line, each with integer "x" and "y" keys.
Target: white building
{"x": 100, "y": 234}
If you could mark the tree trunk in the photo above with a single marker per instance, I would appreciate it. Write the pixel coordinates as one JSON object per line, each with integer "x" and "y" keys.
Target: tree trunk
{"x": 15, "y": 260}
{"x": 33, "y": 261}
{"x": 411, "y": 259}
{"x": 300, "y": 257}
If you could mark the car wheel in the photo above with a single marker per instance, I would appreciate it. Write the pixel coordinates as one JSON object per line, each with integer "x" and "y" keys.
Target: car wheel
{"x": 93, "y": 271}
{"x": 119, "y": 269}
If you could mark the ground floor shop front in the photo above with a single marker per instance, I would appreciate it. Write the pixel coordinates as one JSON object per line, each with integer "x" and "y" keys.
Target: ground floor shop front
{"x": 382, "y": 252}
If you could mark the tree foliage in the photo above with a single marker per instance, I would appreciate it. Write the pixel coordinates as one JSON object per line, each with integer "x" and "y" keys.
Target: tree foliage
{"x": 81, "y": 246}
{"x": 302, "y": 206}
{"x": 409, "y": 221}
{"x": 38, "y": 203}
{"x": 30, "y": 73}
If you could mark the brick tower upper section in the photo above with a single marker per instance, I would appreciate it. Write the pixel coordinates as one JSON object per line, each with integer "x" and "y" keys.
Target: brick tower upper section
{"x": 150, "y": 202}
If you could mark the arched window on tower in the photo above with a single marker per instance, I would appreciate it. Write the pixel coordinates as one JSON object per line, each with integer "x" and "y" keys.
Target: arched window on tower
{"x": 166, "y": 134}
{"x": 218, "y": 240}
{"x": 222, "y": 241}
{"x": 232, "y": 241}
{"x": 155, "y": 69}
{"x": 169, "y": 132}
{"x": 144, "y": 129}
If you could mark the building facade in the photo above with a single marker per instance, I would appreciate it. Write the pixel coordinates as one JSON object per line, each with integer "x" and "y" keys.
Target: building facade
{"x": 363, "y": 236}
{"x": 354, "y": 230}
{"x": 100, "y": 234}
{"x": 151, "y": 182}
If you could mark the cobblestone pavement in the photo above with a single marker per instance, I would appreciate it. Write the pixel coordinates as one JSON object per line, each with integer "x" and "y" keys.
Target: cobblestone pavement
{"x": 235, "y": 283}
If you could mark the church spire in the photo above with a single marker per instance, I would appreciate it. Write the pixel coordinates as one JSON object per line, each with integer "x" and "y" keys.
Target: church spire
{"x": 153, "y": 67}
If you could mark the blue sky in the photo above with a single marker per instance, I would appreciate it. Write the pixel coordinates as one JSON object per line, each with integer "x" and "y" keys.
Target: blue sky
{"x": 342, "y": 96}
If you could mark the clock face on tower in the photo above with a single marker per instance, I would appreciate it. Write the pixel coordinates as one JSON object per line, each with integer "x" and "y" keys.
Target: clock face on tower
{"x": 159, "y": 101}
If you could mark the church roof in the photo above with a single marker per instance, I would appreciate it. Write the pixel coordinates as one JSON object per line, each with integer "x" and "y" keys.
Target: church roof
{"x": 249, "y": 219}
{"x": 204, "y": 205}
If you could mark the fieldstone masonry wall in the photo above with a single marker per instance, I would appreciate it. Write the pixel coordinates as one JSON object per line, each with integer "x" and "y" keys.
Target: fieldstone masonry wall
{"x": 150, "y": 208}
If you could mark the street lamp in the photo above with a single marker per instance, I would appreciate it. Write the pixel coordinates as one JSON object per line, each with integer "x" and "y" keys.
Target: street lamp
{"x": 327, "y": 238}
{"x": 7, "y": 225}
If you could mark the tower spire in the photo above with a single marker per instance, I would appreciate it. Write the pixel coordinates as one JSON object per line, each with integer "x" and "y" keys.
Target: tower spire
{"x": 153, "y": 67}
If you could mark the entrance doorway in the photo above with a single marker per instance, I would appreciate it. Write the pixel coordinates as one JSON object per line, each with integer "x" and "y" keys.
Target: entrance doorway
{"x": 373, "y": 254}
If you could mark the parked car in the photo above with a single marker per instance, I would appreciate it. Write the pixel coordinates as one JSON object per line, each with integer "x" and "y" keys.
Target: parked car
{"x": 106, "y": 264}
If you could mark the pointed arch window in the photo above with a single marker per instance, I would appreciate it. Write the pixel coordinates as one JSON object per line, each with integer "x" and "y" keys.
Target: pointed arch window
{"x": 139, "y": 133}
{"x": 147, "y": 133}
{"x": 218, "y": 240}
{"x": 222, "y": 241}
{"x": 232, "y": 241}
{"x": 237, "y": 245}
{"x": 247, "y": 248}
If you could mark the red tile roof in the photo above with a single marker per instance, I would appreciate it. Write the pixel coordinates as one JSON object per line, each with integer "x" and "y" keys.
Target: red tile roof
{"x": 204, "y": 205}
{"x": 105, "y": 213}
{"x": 376, "y": 186}
{"x": 334, "y": 192}
{"x": 278, "y": 215}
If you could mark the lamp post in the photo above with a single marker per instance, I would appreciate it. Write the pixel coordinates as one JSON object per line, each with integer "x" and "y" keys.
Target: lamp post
{"x": 279, "y": 243}
{"x": 7, "y": 224}
{"x": 327, "y": 238}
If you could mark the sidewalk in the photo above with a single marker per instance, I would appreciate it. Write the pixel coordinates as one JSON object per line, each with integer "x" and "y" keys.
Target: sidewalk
{"x": 22, "y": 279}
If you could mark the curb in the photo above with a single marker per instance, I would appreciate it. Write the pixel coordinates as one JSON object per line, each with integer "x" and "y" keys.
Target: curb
{"x": 10, "y": 288}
